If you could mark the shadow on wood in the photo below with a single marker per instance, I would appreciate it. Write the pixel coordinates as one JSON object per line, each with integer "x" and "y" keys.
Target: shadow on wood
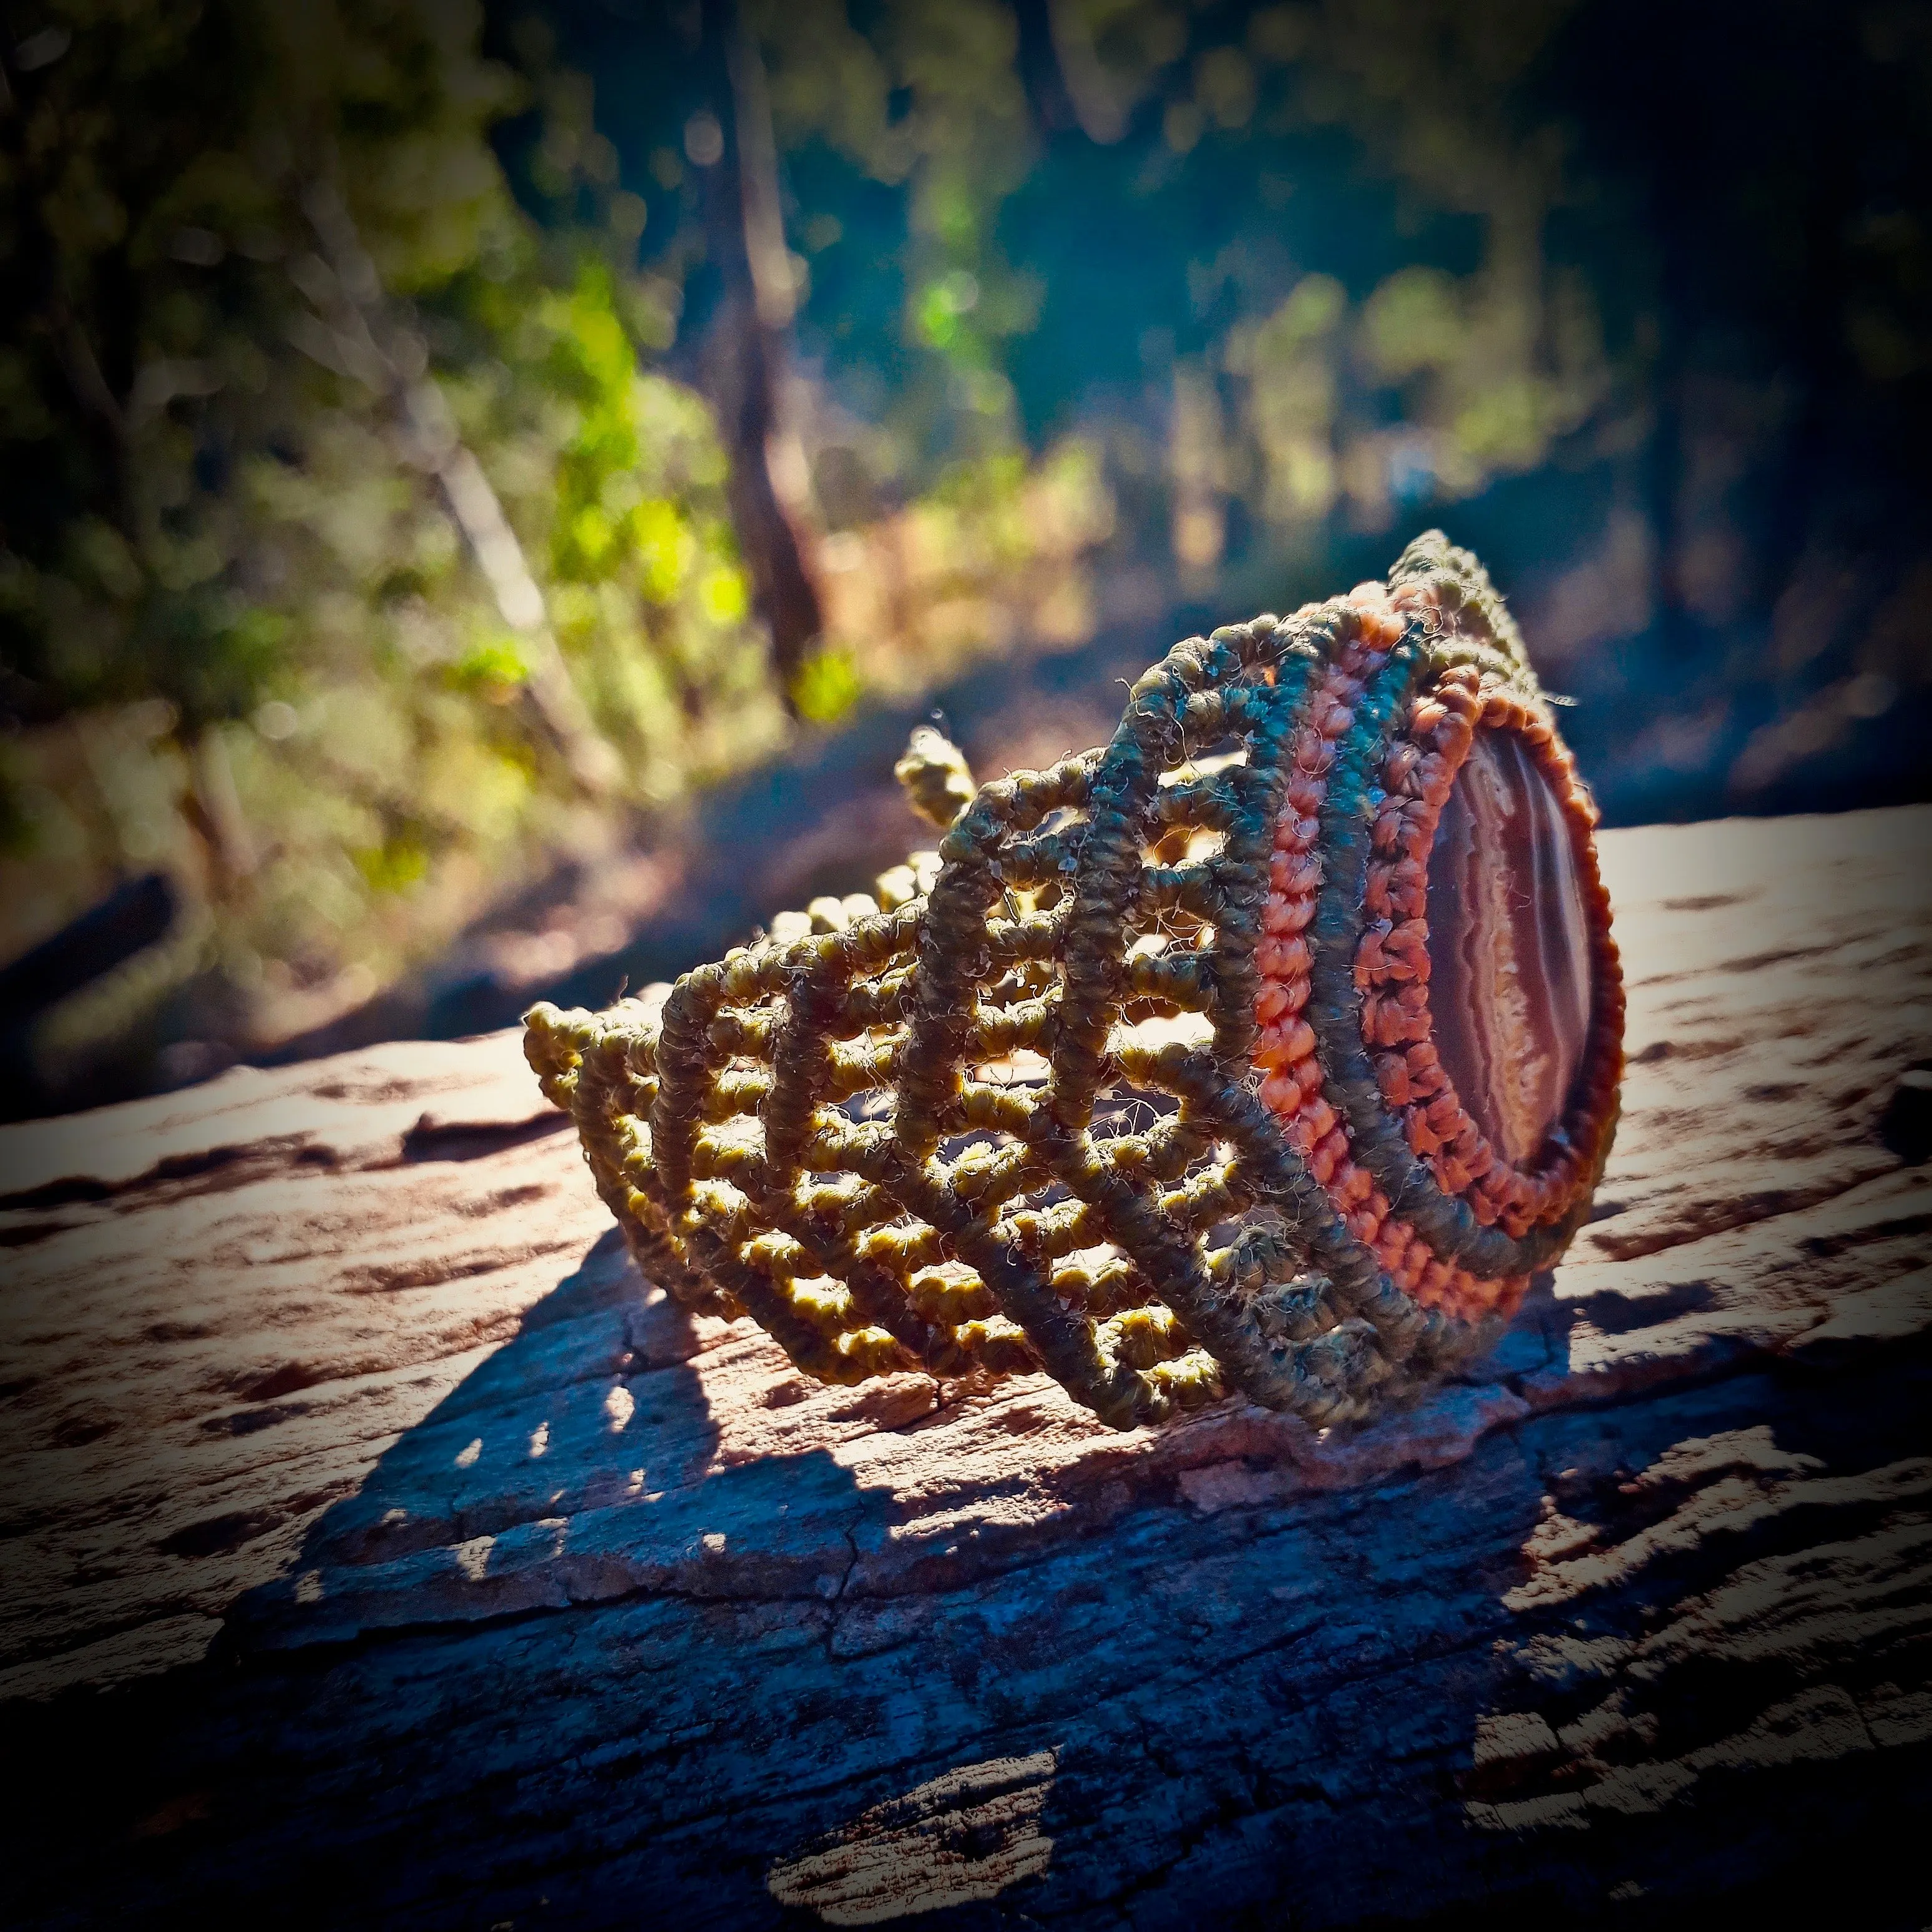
{"x": 533, "y": 1600}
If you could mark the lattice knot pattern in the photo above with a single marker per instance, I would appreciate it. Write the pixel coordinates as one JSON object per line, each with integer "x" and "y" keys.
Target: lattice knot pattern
{"x": 1133, "y": 1080}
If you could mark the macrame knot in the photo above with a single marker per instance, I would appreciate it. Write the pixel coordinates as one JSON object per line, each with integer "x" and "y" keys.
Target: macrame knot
{"x": 1269, "y": 1049}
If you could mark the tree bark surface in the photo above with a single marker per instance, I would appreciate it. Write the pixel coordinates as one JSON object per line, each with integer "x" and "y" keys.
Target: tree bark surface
{"x": 380, "y": 1550}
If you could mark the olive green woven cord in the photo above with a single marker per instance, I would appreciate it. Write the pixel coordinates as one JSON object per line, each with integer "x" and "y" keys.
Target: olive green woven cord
{"x": 1010, "y": 1122}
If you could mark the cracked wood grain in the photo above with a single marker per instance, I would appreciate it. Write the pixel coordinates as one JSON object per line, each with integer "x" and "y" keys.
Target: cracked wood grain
{"x": 344, "y": 1436}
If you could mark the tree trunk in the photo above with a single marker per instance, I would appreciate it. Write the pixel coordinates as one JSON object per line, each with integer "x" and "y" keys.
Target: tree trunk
{"x": 768, "y": 487}
{"x": 381, "y": 1550}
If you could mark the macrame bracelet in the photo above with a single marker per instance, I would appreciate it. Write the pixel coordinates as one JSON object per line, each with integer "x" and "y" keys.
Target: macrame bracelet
{"x": 1270, "y": 1049}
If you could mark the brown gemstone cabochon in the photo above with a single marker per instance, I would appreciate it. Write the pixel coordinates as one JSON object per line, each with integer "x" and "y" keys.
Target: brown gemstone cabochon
{"x": 1509, "y": 946}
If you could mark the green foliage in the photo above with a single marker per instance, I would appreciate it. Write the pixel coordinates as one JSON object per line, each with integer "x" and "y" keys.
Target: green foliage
{"x": 495, "y": 667}
{"x": 828, "y": 687}
{"x": 1159, "y": 300}
{"x": 1324, "y": 380}
{"x": 214, "y": 508}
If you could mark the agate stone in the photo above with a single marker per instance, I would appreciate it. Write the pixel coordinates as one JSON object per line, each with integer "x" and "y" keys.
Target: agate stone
{"x": 1509, "y": 946}
{"x": 826, "y": 1071}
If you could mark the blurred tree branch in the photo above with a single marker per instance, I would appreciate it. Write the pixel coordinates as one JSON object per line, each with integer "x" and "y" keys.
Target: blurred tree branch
{"x": 374, "y": 344}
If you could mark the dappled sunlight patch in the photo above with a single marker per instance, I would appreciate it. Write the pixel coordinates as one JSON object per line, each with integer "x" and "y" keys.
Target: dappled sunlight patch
{"x": 967, "y": 1835}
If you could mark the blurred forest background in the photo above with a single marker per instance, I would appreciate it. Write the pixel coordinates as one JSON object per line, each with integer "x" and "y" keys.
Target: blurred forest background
{"x": 479, "y": 480}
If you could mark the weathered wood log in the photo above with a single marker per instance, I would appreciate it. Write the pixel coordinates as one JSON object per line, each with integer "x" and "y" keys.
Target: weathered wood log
{"x": 380, "y": 1550}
